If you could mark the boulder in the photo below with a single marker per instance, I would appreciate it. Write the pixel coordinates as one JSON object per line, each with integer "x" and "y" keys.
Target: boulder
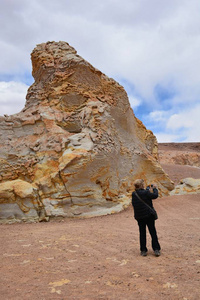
{"x": 20, "y": 201}
{"x": 187, "y": 186}
{"x": 76, "y": 147}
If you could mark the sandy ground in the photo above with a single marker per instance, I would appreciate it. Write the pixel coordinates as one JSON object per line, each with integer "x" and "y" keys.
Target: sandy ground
{"x": 177, "y": 172}
{"x": 99, "y": 258}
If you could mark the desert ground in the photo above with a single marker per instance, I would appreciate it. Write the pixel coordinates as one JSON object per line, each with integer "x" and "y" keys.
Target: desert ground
{"x": 99, "y": 258}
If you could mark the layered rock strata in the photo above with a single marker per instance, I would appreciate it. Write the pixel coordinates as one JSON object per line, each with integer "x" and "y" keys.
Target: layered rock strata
{"x": 76, "y": 147}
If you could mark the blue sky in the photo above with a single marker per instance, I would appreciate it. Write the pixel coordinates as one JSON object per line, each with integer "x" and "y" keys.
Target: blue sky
{"x": 151, "y": 47}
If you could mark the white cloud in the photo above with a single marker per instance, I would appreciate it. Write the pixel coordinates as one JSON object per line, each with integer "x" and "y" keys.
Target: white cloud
{"x": 188, "y": 122}
{"x": 134, "y": 102}
{"x": 158, "y": 116}
{"x": 12, "y": 97}
{"x": 182, "y": 126}
{"x": 166, "y": 137}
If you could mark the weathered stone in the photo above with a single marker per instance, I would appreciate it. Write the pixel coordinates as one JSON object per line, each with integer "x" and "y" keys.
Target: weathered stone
{"x": 187, "y": 186}
{"x": 76, "y": 147}
{"x": 19, "y": 200}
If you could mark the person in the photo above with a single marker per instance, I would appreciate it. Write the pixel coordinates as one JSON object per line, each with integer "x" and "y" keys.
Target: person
{"x": 143, "y": 215}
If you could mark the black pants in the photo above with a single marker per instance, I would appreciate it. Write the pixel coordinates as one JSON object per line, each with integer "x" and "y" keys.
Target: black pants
{"x": 150, "y": 223}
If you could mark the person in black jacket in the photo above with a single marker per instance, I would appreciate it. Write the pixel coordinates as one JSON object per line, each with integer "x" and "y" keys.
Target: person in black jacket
{"x": 143, "y": 215}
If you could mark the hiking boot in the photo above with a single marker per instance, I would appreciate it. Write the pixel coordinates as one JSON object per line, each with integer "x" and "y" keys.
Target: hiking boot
{"x": 157, "y": 252}
{"x": 143, "y": 253}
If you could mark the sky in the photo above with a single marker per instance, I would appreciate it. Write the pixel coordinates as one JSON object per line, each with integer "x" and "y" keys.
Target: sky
{"x": 151, "y": 47}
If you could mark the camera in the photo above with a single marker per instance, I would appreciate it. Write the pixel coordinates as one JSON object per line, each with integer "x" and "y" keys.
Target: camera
{"x": 149, "y": 186}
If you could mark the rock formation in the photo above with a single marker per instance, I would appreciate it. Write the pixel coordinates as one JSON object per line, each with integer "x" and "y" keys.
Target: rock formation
{"x": 187, "y": 186}
{"x": 76, "y": 147}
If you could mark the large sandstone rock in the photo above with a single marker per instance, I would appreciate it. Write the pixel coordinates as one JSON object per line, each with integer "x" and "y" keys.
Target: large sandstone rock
{"x": 76, "y": 147}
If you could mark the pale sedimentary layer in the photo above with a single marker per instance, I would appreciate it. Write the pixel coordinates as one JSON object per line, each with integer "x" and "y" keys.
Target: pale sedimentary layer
{"x": 76, "y": 147}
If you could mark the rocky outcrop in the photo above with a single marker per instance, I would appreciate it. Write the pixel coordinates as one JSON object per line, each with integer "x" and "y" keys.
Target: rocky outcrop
{"x": 19, "y": 200}
{"x": 187, "y": 186}
{"x": 76, "y": 147}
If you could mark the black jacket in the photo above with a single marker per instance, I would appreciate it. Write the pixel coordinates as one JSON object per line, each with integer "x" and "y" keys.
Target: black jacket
{"x": 141, "y": 211}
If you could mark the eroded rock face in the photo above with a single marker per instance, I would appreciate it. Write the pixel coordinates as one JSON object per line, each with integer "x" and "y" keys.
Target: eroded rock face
{"x": 76, "y": 147}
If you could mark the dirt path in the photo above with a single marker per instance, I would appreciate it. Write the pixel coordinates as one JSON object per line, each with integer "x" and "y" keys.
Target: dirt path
{"x": 99, "y": 258}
